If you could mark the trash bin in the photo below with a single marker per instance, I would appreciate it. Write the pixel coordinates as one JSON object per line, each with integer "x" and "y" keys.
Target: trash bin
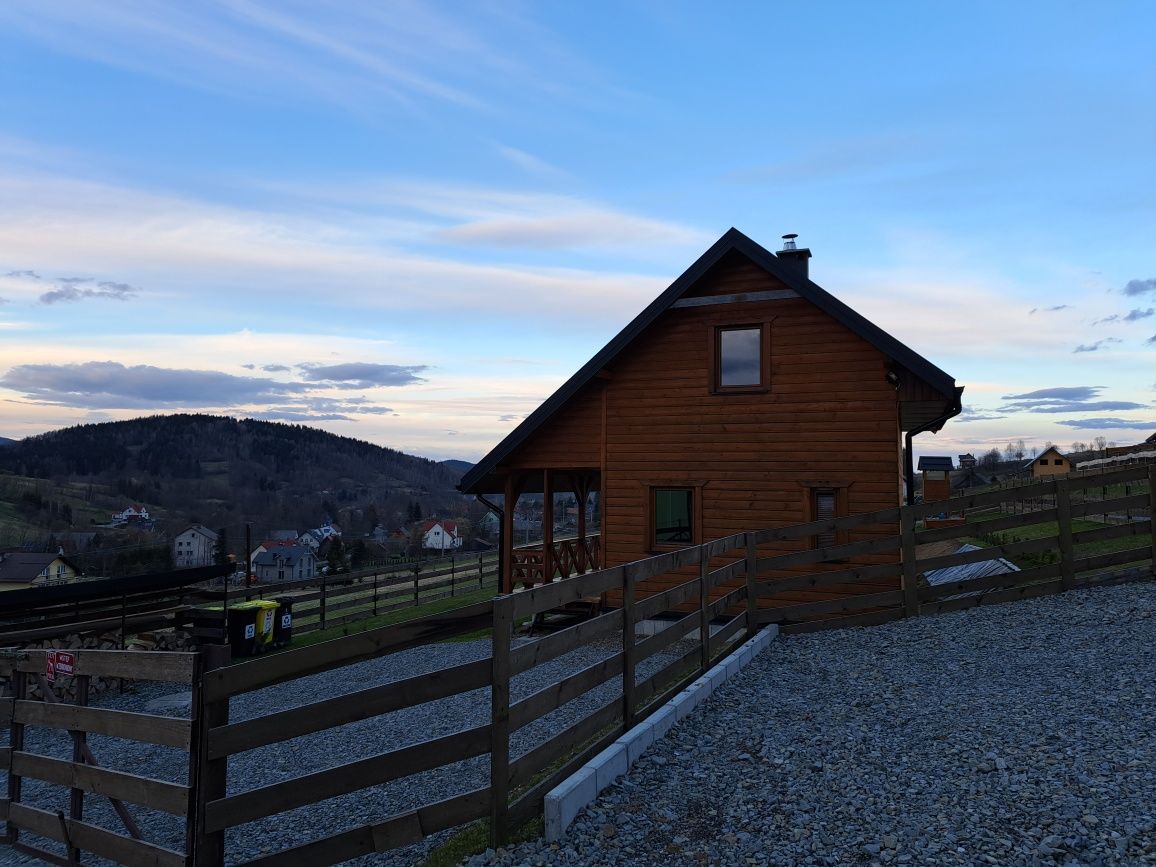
{"x": 242, "y": 626}
{"x": 266, "y": 618}
{"x": 283, "y": 625}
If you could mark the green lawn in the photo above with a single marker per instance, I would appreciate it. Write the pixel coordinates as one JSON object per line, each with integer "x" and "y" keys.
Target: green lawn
{"x": 1050, "y": 529}
{"x": 402, "y": 614}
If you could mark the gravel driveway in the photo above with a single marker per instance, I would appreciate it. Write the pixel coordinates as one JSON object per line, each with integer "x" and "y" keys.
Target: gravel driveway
{"x": 1019, "y": 734}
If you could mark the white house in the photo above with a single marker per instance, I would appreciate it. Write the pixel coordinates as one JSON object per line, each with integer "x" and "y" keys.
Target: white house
{"x": 194, "y": 546}
{"x": 440, "y": 536}
{"x": 135, "y": 512}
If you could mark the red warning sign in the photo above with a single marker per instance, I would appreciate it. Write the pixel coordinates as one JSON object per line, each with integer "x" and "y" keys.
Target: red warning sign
{"x": 59, "y": 662}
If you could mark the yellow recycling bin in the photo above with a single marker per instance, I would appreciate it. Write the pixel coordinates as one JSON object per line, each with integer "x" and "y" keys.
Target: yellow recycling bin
{"x": 266, "y": 616}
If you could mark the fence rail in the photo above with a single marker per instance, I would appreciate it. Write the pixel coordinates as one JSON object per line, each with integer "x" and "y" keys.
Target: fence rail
{"x": 711, "y": 596}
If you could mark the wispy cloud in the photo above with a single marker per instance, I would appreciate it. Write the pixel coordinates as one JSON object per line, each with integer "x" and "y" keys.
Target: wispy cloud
{"x": 111, "y": 385}
{"x": 1134, "y": 315}
{"x": 362, "y": 375}
{"x": 1109, "y": 424}
{"x": 1140, "y": 287}
{"x": 1095, "y": 347}
{"x": 529, "y": 163}
{"x": 79, "y": 288}
{"x": 201, "y": 249}
{"x": 1054, "y": 309}
{"x": 1066, "y": 399}
{"x": 362, "y": 57}
{"x": 972, "y": 414}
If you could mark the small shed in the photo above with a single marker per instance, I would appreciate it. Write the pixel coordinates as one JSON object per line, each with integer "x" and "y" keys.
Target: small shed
{"x": 1049, "y": 463}
{"x": 936, "y": 472}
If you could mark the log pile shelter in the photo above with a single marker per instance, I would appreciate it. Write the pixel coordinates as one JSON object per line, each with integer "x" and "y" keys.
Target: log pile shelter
{"x": 744, "y": 396}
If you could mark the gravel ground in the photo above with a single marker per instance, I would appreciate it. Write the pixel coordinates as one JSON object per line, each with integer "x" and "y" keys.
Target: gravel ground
{"x": 1021, "y": 734}
{"x": 329, "y": 748}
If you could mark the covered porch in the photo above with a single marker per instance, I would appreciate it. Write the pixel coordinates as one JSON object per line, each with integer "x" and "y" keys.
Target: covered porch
{"x": 556, "y": 551}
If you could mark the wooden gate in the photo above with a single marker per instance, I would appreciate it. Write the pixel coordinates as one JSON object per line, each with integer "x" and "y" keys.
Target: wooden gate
{"x": 50, "y": 690}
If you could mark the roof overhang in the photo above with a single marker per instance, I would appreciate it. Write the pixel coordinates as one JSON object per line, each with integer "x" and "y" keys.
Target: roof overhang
{"x": 933, "y": 394}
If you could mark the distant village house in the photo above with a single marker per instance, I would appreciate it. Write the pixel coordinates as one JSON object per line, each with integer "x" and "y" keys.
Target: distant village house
{"x": 194, "y": 546}
{"x": 285, "y": 563}
{"x": 21, "y": 570}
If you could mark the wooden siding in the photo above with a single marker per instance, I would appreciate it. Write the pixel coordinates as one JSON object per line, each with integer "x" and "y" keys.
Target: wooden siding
{"x": 572, "y": 438}
{"x": 828, "y": 419}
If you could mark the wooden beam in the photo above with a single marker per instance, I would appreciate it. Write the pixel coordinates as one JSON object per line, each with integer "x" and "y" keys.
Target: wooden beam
{"x": 343, "y": 779}
{"x": 157, "y": 794}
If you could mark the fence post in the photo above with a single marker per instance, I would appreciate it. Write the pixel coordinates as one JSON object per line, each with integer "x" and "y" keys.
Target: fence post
{"x": 503, "y": 637}
{"x": 374, "y": 594}
{"x": 628, "y": 639}
{"x": 703, "y": 602}
{"x": 752, "y": 598}
{"x": 1064, "y": 521}
{"x": 208, "y": 777}
{"x": 1152, "y": 511}
{"x": 79, "y": 738}
{"x": 453, "y": 574}
{"x": 910, "y": 570}
{"x": 416, "y": 586}
{"x": 321, "y": 603}
{"x": 19, "y": 689}
{"x": 481, "y": 573}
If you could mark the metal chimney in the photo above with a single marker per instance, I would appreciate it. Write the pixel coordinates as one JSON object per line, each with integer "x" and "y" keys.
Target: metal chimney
{"x": 794, "y": 255}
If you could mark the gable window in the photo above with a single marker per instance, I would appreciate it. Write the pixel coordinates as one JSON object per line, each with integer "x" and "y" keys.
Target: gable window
{"x": 1059, "y": 463}
{"x": 741, "y": 358}
{"x": 673, "y": 511}
{"x": 1043, "y": 462}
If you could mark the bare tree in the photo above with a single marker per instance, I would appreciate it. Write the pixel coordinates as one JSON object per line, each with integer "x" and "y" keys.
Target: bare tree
{"x": 1101, "y": 443}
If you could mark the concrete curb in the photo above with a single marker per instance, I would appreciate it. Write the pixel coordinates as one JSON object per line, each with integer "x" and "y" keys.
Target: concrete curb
{"x": 567, "y": 799}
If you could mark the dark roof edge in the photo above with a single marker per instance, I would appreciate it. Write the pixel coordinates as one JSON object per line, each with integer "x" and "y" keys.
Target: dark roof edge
{"x": 733, "y": 239}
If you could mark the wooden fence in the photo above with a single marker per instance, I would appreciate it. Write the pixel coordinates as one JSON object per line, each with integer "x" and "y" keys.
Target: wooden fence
{"x": 719, "y": 595}
{"x": 81, "y": 774}
{"x": 337, "y": 600}
{"x": 141, "y": 602}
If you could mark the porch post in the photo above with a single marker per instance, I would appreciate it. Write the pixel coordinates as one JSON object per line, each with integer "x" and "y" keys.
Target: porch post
{"x": 581, "y": 494}
{"x": 547, "y": 527}
{"x": 506, "y": 556}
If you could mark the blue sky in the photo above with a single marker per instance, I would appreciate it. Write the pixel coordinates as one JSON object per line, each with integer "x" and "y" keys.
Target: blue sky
{"x": 409, "y": 222}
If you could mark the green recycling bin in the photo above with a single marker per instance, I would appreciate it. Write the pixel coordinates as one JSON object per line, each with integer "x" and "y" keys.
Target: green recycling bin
{"x": 242, "y": 628}
{"x": 283, "y": 625}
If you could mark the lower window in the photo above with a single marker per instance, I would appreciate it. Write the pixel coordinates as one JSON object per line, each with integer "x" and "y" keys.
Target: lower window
{"x": 673, "y": 510}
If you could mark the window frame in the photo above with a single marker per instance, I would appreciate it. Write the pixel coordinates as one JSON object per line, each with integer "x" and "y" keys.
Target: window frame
{"x": 696, "y": 497}
{"x": 842, "y": 492}
{"x": 716, "y": 366}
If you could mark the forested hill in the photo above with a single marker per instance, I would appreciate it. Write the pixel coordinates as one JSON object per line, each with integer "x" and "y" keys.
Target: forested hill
{"x": 223, "y": 469}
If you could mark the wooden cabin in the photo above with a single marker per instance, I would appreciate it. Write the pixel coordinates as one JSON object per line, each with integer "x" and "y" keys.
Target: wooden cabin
{"x": 743, "y": 397}
{"x": 936, "y": 472}
{"x": 1049, "y": 463}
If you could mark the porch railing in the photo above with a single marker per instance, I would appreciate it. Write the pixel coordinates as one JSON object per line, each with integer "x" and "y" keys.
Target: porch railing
{"x": 570, "y": 557}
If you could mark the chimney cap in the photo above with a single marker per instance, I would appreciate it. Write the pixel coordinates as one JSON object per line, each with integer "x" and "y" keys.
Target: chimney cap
{"x": 789, "y": 240}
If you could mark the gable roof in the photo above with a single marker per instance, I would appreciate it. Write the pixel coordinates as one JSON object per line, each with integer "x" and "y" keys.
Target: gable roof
{"x": 289, "y": 554}
{"x": 450, "y": 527}
{"x": 23, "y": 567}
{"x": 200, "y": 529}
{"x": 477, "y": 479}
{"x": 931, "y": 462}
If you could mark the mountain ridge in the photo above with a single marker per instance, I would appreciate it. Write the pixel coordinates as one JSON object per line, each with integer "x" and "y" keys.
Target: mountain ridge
{"x": 221, "y": 470}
